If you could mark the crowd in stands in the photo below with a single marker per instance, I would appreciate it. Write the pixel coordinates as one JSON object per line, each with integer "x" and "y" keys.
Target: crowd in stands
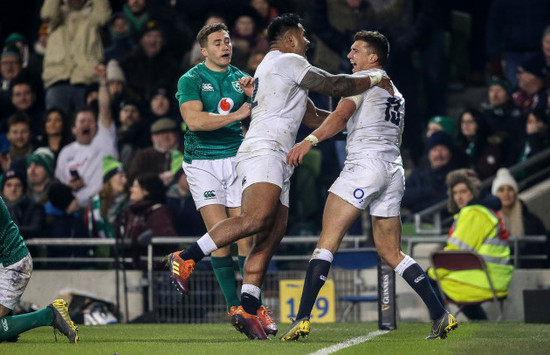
{"x": 91, "y": 135}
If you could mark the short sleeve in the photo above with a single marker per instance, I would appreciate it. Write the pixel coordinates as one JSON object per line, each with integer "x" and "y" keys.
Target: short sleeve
{"x": 188, "y": 90}
{"x": 295, "y": 66}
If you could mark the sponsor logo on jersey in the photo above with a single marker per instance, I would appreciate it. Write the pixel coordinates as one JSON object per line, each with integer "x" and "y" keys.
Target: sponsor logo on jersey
{"x": 225, "y": 105}
{"x": 207, "y": 87}
{"x": 418, "y": 279}
{"x": 209, "y": 194}
{"x": 237, "y": 87}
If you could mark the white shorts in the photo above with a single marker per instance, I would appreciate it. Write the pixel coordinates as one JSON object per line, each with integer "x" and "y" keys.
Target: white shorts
{"x": 14, "y": 280}
{"x": 214, "y": 182}
{"x": 265, "y": 167}
{"x": 372, "y": 182}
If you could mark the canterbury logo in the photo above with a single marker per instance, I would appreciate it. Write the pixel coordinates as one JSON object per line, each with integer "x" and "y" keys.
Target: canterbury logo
{"x": 207, "y": 87}
{"x": 418, "y": 279}
{"x": 5, "y": 325}
{"x": 323, "y": 277}
{"x": 209, "y": 194}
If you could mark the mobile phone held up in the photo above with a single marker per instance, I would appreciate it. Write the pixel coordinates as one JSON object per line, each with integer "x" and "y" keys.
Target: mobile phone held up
{"x": 74, "y": 173}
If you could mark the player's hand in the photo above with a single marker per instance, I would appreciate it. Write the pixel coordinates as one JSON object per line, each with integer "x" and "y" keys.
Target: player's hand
{"x": 296, "y": 154}
{"x": 247, "y": 83}
{"x": 386, "y": 84}
{"x": 243, "y": 111}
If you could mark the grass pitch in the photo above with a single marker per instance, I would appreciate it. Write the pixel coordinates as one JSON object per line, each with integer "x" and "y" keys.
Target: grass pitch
{"x": 469, "y": 338}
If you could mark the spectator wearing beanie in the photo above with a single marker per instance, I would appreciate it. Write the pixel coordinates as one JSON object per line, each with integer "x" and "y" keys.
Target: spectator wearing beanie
{"x": 502, "y": 114}
{"x": 441, "y": 123}
{"x": 425, "y": 186}
{"x": 122, "y": 42}
{"x": 133, "y": 134}
{"x": 147, "y": 211}
{"x": 27, "y": 214}
{"x": 516, "y": 216}
{"x": 40, "y": 172}
{"x": 108, "y": 203}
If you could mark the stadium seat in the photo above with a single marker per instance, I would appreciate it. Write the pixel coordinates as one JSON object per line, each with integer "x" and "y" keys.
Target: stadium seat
{"x": 459, "y": 260}
{"x": 356, "y": 259}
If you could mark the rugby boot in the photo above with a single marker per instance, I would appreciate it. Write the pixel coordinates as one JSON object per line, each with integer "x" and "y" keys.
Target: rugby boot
{"x": 442, "y": 326}
{"x": 180, "y": 270}
{"x": 269, "y": 325}
{"x": 248, "y": 324}
{"x": 62, "y": 321}
{"x": 300, "y": 327}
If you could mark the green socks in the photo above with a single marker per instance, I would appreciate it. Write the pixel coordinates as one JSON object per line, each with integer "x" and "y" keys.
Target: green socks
{"x": 225, "y": 273}
{"x": 11, "y": 326}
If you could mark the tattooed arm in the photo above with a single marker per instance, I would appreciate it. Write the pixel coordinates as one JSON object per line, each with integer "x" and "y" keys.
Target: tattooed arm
{"x": 337, "y": 85}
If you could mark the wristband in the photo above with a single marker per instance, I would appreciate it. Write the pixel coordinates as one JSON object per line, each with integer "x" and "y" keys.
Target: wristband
{"x": 312, "y": 140}
{"x": 375, "y": 78}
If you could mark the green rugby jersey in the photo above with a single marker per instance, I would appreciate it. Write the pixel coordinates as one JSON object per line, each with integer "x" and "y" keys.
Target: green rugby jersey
{"x": 12, "y": 247}
{"x": 220, "y": 93}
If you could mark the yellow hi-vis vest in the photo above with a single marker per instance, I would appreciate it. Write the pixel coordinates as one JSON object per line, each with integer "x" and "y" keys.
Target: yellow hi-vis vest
{"x": 478, "y": 228}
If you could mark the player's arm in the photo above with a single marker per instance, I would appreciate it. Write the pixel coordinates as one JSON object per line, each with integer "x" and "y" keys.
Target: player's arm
{"x": 325, "y": 83}
{"x": 198, "y": 120}
{"x": 314, "y": 116}
{"x": 334, "y": 123}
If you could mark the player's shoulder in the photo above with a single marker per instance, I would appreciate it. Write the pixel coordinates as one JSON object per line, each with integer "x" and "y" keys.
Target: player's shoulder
{"x": 290, "y": 59}
{"x": 236, "y": 71}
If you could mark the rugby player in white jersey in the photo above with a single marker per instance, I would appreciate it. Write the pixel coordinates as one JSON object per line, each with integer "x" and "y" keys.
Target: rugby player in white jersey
{"x": 372, "y": 176}
{"x": 279, "y": 105}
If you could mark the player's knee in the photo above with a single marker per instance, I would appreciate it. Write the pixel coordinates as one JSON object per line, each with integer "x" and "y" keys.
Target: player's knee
{"x": 257, "y": 222}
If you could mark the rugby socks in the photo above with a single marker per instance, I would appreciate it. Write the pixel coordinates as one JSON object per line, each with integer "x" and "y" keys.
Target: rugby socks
{"x": 198, "y": 250}
{"x": 11, "y": 326}
{"x": 317, "y": 272}
{"x": 240, "y": 261}
{"x": 250, "y": 298}
{"x": 225, "y": 273}
{"x": 419, "y": 281}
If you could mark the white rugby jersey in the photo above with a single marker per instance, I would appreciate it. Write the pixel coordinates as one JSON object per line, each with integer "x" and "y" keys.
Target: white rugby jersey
{"x": 278, "y": 103}
{"x": 375, "y": 129}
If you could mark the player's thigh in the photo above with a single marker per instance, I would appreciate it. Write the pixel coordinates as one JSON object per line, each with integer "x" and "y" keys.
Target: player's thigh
{"x": 260, "y": 203}
{"x": 13, "y": 281}
{"x": 212, "y": 182}
{"x": 388, "y": 203}
{"x": 337, "y": 218}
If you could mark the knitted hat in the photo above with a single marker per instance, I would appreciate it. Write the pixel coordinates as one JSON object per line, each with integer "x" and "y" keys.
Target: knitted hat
{"x": 11, "y": 50}
{"x": 148, "y": 26}
{"x": 14, "y": 38}
{"x": 439, "y": 138}
{"x": 503, "y": 178}
{"x": 505, "y": 84}
{"x": 164, "y": 125}
{"x": 467, "y": 176}
{"x": 44, "y": 157}
{"x": 110, "y": 167}
{"x": 13, "y": 173}
{"x": 114, "y": 72}
{"x": 447, "y": 123}
{"x": 60, "y": 196}
{"x": 176, "y": 164}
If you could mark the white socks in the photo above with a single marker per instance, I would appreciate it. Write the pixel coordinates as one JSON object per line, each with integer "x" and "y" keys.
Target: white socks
{"x": 404, "y": 264}
{"x": 322, "y": 254}
{"x": 206, "y": 244}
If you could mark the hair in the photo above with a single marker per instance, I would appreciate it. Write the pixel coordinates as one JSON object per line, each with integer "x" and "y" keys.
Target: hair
{"x": 377, "y": 43}
{"x": 83, "y": 109}
{"x": 540, "y": 115}
{"x": 107, "y": 196}
{"x": 280, "y": 25}
{"x": 66, "y": 135}
{"x": 206, "y": 30}
{"x": 466, "y": 176}
{"x": 482, "y": 132}
{"x": 19, "y": 117}
{"x": 154, "y": 186}
{"x": 18, "y": 80}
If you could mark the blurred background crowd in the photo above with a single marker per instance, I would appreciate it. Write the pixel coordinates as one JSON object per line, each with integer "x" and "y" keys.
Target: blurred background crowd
{"x": 474, "y": 75}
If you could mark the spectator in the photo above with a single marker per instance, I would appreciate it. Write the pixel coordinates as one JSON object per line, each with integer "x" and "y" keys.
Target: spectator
{"x": 64, "y": 221}
{"x": 147, "y": 211}
{"x": 133, "y": 134}
{"x": 106, "y": 205}
{"x": 516, "y": 216}
{"x": 24, "y": 99}
{"x": 538, "y": 137}
{"x": 116, "y": 84}
{"x": 502, "y": 115}
{"x": 10, "y": 67}
{"x": 482, "y": 152}
{"x": 122, "y": 43}
{"x": 441, "y": 123}
{"x": 513, "y": 34}
{"x": 265, "y": 11}
{"x": 19, "y": 136}
{"x": 27, "y": 214}
{"x": 57, "y": 131}
{"x": 425, "y": 186}
{"x": 136, "y": 13}
{"x": 149, "y": 65}
{"x": 36, "y": 58}
{"x": 531, "y": 93}
{"x": 161, "y": 105}
{"x": 187, "y": 220}
{"x": 157, "y": 159}
{"x": 246, "y": 40}
{"x": 476, "y": 228}
{"x": 74, "y": 48}
{"x": 40, "y": 172}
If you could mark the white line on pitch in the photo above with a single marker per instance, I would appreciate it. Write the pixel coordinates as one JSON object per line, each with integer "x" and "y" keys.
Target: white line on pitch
{"x": 348, "y": 343}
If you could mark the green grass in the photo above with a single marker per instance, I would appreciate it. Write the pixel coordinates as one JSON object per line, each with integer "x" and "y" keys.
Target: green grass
{"x": 469, "y": 338}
